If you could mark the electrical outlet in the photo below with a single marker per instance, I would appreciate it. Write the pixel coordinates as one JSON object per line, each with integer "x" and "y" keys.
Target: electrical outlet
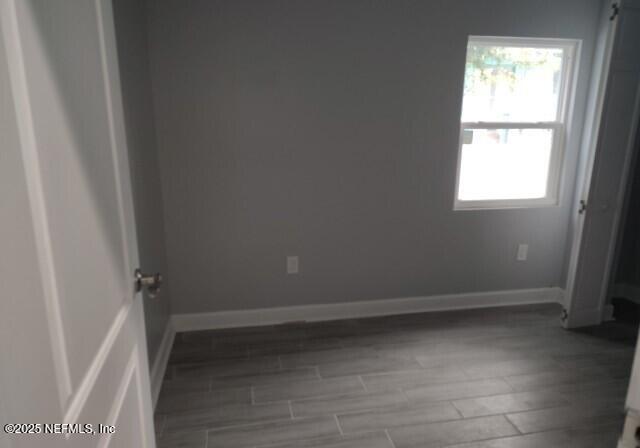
{"x": 293, "y": 264}
{"x": 523, "y": 251}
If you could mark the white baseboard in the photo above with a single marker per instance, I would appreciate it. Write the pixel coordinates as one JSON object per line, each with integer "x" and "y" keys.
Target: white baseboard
{"x": 584, "y": 318}
{"x": 349, "y": 310}
{"x": 629, "y": 437}
{"x": 160, "y": 363}
{"x": 561, "y": 297}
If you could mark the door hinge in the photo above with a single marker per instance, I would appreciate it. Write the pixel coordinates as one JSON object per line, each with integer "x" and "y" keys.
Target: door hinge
{"x": 583, "y": 207}
{"x": 615, "y": 10}
{"x": 564, "y": 316}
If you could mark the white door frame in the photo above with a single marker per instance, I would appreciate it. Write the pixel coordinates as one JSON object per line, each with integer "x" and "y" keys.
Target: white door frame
{"x": 591, "y": 142}
{"x": 595, "y": 106}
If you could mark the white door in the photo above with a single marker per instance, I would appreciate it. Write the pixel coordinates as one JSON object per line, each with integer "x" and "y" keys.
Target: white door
{"x": 605, "y": 191}
{"x": 73, "y": 346}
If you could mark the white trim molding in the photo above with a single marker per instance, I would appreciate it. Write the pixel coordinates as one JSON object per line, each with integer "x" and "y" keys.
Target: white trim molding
{"x": 585, "y": 317}
{"x": 370, "y": 308}
{"x": 87, "y": 385}
{"x": 629, "y": 438}
{"x": 161, "y": 361}
{"x": 11, "y": 28}
{"x": 558, "y": 125}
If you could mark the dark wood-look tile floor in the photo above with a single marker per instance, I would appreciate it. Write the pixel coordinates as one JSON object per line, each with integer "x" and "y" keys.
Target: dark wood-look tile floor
{"x": 491, "y": 378}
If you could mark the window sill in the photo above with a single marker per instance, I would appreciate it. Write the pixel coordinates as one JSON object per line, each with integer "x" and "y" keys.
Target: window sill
{"x": 504, "y": 205}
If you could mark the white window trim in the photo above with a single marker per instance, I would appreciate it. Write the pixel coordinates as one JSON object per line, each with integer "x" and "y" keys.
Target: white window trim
{"x": 559, "y": 127}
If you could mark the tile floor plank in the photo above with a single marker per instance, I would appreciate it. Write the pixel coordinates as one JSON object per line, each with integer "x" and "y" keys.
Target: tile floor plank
{"x": 597, "y": 436}
{"x": 516, "y": 402}
{"x": 507, "y": 377}
{"x": 375, "y": 419}
{"x": 197, "y": 439}
{"x": 367, "y": 440}
{"x": 306, "y": 389}
{"x": 176, "y": 402}
{"x": 284, "y": 376}
{"x": 436, "y": 435}
{"x": 565, "y": 417}
{"x": 457, "y": 390}
{"x": 273, "y": 433}
{"x": 366, "y": 364}
{"x": 413, "y": 378}
{"x": 224, "y": 416}
{"x": 346, "y": 403}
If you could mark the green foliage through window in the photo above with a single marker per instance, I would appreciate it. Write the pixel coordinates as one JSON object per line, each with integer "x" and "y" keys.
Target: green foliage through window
{"x": 495, "y": 65}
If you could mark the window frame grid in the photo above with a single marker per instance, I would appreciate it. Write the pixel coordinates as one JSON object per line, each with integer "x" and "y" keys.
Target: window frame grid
{"x": 571, "y": 50}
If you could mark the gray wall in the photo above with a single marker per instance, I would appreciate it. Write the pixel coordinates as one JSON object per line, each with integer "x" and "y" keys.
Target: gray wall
{"x": 131, "y": 32}
{"x": 328, "y": 129}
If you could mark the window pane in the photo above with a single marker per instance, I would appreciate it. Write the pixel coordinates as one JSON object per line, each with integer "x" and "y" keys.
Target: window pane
{"x": 505, "y": 83}
{"x": 504, "y": 164}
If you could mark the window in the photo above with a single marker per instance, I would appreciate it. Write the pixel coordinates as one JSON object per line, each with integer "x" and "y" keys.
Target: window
{"x": 513, "y": 122}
